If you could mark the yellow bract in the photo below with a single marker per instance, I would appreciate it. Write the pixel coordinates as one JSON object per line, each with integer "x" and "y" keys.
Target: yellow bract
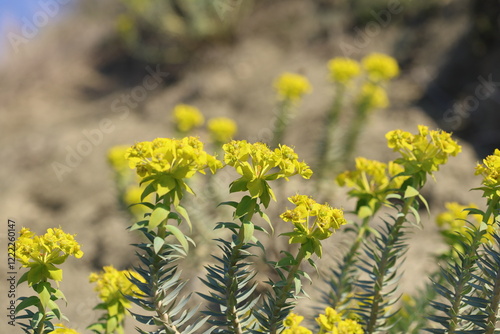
{"x": 490, "y": 170}
{"x": 380, "y": 67}
{"x": 222, "y": 129}
{"x": 187, "y": 117}
{"x": 51, "y": 248}
{"x": 424, "y": 151}
{"x": 343, "y": 70}
{"x": 112, "y": 285}
{"x": 116, "y": 158}
{"x": 292, "y": 87}
{"x": 331, "y": 322}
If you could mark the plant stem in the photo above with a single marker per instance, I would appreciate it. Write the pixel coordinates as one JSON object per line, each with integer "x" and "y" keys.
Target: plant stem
{"x": 383, "y": 265}
{"x": 354, "y": 132}
{"x": 495, "y": 302}
{"x": 284, "y": 114}
{"x": 284, "y": 291}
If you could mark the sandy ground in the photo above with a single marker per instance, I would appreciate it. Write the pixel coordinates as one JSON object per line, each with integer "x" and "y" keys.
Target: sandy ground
{"x": 48, "y": 113}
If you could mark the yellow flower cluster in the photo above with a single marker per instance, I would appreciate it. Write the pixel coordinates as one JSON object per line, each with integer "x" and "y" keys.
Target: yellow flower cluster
{"x": 331, "y": 322}
{"x": 62, "y": 329}
{"x": 257, "y": 164}
{"x": 292, "y": 324}
{"x": 113, "y": 285}
{"x": 168, "y": 161}
{"x": 343, "y": 70}
{"x": 222, "y": 129}
{"x": 327, "y": 220}
{"x": 490, "y": 170}
{"x": 380, "y": 67}
{"x": 116, "y": 158}
{"x": 292, "y": 87}
{"x": 187, "y": 117}
{"x": 372, "y": 96}
{"x": 453, "y": 222}
{"x": 422, "y": 152}
{"x": 52, "y": 247}
{"x": 42, "y": 253}
{"x": 372, "y": 180}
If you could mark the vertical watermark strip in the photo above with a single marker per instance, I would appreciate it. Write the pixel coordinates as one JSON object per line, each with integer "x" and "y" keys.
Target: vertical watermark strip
{"x": 11, "y": 272}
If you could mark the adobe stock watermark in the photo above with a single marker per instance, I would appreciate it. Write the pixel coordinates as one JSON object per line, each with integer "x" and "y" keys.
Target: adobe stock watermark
{"x": 363, "y": 36}
{"x": 224, "y": 8}
{"x": 31, "y": 26}
{"x": 455, "y": 116}
{"x": 121, "y": 106}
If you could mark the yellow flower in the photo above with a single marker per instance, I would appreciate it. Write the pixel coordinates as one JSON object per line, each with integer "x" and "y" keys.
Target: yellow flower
{"x": 332, "y": 322}
{"x": 424, "y": 151}
{"x": 490, "y": 170}
{"x": 372, "y": 96}
{"x": 327, "y": 220}
{"x": 167, "y": 162}
{"x": 62, "y": 329}
{"x": 372, "y": 181}
{"x": 42, "y": 253}
{"x": 187, "y": 117}
{"x": 343, "y": 70}
{"x": 113, "y": 285}
{"x": 257, "y": 164}
{"x": 453, "y": 222}
{"x": 222, "y": 129}
{"x": 292, "y": 324}
{"x": 292, "y": 87}
{"x": 116, "y": 158}
{"x": 380, "y": 67}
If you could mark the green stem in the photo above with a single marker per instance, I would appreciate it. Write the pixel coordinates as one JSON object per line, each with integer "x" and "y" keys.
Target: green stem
{"x": 493, "y": 311}
{"x": 284, "y": 292}
{"x": 383, "y": 265}
{"x": 325, "y": 147}
{"x": 354, "y": 132}
{"x": 284, "y": 113}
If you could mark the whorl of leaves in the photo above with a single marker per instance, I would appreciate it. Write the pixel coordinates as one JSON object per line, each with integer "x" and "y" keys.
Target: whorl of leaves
{"x": 470, "y": 295}
{"x": 231, "y": 286}
{"x": 160, "y": 291}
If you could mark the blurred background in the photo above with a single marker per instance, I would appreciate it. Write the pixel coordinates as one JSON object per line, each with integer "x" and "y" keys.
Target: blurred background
{"x": 79, "y": 77}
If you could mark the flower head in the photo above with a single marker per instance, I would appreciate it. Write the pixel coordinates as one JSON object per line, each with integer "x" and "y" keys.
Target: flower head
{"x": 332, "y": 322}
{"x": 292, "y": 324}
{"x": 380, "y": 67}
{"x": 62, "y": 329}
{"x": 116, "y": 158}
{"x": 453, "y": 223}
{"x": 343, "y": 70}
{"x": 372, "y": 96}
{"x": 312, "y": 222}
{"x": 42, "y": 253}
{"x": 490, "y": 170}
{"x": 113, "y": 285}
{"x": 292, "y": 87}
{"x": 187, "y": 117}
{"x": 423, "y": 152}
{"x": 257, "y": 164}
{"x": 167, "y": 162}
{"x": 372, "y": 181}
{"x": 222, "y": 129}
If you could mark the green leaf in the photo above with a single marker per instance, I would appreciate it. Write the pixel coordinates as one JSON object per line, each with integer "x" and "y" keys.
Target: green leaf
{"x": 248, "y": 229}
{"x": 165, "y": 184}
{"x": 44, "y": 293}
{"x": 179, "y": 235}
{"x": 411, "y": 192}
{"x": 158, "y": 216}
{"x": 27, "y": 302}
{"x": 150, "y": 188}
{"x": 157, "y": 244}
{"x": 365, "y": 211}
{"x": 244, "y": 206}
{"x": 183, "y": 212}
